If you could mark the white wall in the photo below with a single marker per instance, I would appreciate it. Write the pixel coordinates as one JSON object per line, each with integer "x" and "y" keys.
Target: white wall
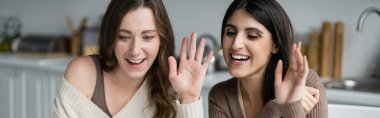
{"x": 49, "y": 16}
{"x": 360, "y": 49}
{"x": 205, "y": 16}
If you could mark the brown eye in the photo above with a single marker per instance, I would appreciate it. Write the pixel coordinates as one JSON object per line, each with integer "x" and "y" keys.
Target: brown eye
{"x": 148, "y": 37}
{"x": 252, "y": 37}
{"x": 124, "y": 38}
{"x": 230, "y": 33}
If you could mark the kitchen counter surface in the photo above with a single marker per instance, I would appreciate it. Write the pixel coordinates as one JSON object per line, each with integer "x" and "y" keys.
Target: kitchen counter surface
{"x": 30, "y": 62}
{"x": 350, "y": 97}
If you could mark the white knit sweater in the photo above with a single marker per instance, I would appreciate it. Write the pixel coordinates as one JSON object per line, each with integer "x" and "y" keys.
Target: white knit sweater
{"x": 70, "y": 103}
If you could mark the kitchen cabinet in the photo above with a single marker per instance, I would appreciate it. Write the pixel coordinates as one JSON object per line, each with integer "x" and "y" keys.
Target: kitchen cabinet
{"x": 352, "y": 97}
{"x": 353, "y": 111}
{"x": 29, "y": 85}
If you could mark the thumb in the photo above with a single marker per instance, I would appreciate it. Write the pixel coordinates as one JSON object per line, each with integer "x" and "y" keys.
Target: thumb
{"x": 172, "y": 67}
{"x": 278, "y": 75}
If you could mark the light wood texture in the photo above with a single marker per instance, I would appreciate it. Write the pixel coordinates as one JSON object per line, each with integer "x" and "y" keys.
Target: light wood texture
{"x": 338, "y": 50}
{"x": 314, "y": 51}
{"x": 325, "y": 50}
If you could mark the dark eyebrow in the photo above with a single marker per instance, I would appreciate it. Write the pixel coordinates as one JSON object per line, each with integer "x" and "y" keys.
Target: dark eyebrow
{"x": 143, "y": 32}
{"x": 230, "y": 25}
{"x": 126, "y": 31}
{"x": 148, "y": 31}
{"x": 250, "y": 29}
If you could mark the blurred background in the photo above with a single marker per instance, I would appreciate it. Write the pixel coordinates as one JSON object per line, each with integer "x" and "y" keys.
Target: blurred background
{"x": 38, "y": 38}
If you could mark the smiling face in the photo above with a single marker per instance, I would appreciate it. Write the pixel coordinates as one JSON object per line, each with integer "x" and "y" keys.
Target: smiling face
{"x": 137, "y": 42}
{"x": 247, "y": 45}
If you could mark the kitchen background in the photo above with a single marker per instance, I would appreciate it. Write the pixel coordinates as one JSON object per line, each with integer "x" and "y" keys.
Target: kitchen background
{"x": 360, "y": 57}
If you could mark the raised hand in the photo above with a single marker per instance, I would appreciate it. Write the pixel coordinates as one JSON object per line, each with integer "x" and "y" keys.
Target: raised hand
{"x": 188, "y": 80}
{"x": 292, "y": 88}
{"x": 310, "y": 99}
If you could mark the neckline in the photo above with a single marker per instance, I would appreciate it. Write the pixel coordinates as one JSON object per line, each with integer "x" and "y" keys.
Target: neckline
{"x": 138, "y": 101}
{"x": 240, "y": 99}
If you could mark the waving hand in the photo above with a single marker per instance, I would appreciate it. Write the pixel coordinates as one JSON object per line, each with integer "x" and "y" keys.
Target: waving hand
{"x": 292, "y": 88}
{"x": 188, "y": 80}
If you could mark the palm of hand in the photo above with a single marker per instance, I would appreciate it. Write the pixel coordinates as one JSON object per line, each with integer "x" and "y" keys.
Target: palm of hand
{"x": 189, "y": 78}
{"x": 292, "y": 87}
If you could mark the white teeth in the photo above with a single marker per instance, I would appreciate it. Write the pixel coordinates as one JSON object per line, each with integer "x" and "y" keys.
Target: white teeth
{"x": 135, "y": 61}
{"x": 239, "y": 57}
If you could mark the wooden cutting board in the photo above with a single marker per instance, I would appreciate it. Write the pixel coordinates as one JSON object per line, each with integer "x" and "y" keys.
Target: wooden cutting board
{"x": 338, "y": 50}
{"x": 325, "y": 49}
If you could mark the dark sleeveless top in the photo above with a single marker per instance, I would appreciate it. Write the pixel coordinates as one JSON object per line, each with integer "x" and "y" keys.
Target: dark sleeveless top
{"x": 99, "y": 97}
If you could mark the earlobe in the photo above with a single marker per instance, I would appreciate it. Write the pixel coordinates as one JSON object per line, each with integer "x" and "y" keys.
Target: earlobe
{"x": 275, "y": 49}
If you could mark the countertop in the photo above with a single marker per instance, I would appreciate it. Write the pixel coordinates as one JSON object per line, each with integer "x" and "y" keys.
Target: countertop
{"x": 32, "y": 62}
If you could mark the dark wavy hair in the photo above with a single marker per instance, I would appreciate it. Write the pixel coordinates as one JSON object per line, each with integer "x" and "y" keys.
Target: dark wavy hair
{"x": 270, "y": 14}
{"x": 158, "y": 73}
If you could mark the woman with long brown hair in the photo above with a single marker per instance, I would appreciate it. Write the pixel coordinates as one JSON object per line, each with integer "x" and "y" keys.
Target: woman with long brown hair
{"x": 135, "y": 74}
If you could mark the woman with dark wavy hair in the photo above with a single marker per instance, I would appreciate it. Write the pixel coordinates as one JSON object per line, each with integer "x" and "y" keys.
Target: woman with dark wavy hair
{"x": 269, "y": 72}
{"x": 135, "y": 74}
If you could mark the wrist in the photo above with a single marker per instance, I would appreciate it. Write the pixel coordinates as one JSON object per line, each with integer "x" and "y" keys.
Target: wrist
{"x": 277, "y": 101}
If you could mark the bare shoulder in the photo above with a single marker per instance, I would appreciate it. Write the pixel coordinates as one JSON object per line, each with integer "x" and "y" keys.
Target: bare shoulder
{"x": 81, "y": 73}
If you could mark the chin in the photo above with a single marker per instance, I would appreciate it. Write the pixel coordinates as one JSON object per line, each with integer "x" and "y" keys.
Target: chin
{"x": 237, "y": 73}
{"x": 138, "y": 75}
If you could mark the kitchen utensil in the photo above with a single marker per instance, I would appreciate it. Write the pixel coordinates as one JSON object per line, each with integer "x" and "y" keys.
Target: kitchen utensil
{"x": 76, "y": 35}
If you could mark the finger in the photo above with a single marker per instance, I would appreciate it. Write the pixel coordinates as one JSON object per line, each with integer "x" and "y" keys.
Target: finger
{"x": 208, "y": 60}
{"x": 305, "y": 107}
{"x": 299, "y": 58}
{"x": 193, "y": 46}
{"x": 314, "y": 92}
{"x": 293, "y": 62}
{"x": 278, "y": 75}
{"x": 311, "y": 99}
{"x": 308, "y": 100}
{"x": 172, "y": 67}
{"x": 303, "y": 75}
{"x": 200, "y": 51}
{"x": 306, "y": 65}
{"x": 317, "y": 96}
{"x": 183, "y": 55}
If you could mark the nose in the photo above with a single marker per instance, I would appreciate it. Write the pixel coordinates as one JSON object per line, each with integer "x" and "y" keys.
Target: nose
{"x": 238, "y": 42}
{"x": 135, "y": 47}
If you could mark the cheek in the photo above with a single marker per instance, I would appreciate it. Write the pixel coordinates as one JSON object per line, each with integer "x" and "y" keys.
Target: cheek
{"x": 119, "y": 49}
{"x": 261, "y": 53}
{"x": 226, "y": 44}
{"x": 153, "y": 48}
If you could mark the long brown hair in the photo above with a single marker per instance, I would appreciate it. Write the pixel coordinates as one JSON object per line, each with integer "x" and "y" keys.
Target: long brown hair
{"x": 158, "y": 73}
